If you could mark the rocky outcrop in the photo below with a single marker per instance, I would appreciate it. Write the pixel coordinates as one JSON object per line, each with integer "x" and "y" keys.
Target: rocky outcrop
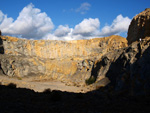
{"x": 69, "y": 61}
{"x": 139, "y": 27}
{"x": 127, "y": 69}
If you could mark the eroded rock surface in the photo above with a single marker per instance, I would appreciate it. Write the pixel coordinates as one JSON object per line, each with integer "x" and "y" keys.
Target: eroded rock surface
{"x": 69, "y": 61}
{"x": 139, "y": 27}
{"x": 61, "y": 49}
{"x": 127, "y": 69}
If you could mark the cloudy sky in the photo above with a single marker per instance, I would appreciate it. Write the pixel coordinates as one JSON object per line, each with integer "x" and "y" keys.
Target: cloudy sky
{"x": 68, "y": 19}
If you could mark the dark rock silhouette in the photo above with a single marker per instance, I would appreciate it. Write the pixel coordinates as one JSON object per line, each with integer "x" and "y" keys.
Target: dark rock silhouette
{"x": 23, "y": 100}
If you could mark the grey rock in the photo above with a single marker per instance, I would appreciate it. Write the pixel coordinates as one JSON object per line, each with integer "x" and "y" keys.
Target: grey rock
{"x": 126, "y": 68}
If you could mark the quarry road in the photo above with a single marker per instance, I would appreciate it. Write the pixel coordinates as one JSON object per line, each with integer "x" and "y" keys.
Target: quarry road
{"x": 40, "y": 86}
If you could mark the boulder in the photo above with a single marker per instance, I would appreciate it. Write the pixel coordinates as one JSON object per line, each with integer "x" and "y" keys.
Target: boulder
{"x": 139, "y": 27}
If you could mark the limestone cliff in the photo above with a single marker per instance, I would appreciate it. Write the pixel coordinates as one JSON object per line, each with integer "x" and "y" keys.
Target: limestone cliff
{"x": 61, "y": 49}
{"x": 69, "y": 61}
{"x": 127, "y": 69}
{"x": 139, "y": 27}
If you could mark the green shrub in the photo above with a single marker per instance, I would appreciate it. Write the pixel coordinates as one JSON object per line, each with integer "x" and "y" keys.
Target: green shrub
{"x": 91, "y": 80}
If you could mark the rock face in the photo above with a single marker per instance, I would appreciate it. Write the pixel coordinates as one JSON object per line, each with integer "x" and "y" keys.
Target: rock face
{"x": 69, "y": 61}
{"x": 61, "y": 49}
{"x": 127, "y": 69}
{"x": 139, "y": 27}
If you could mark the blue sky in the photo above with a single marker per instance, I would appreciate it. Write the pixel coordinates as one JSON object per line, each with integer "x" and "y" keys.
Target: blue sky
{"x": 68, "y": 19}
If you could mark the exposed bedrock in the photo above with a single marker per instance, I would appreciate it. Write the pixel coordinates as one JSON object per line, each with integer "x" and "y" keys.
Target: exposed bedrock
{"x": 69, "y": 61}
{"x": 139, "y": 27}
{"x": 128, "y": 69}
{"x": 61, "y": 49}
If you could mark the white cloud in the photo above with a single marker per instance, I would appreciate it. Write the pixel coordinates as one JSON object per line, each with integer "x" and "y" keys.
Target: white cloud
{"x": 34, "y": 24}
{"x": 50, "y": 36}
{"x": 31, "y": 23}
{"x": 5, "y": 22}
{"x": 120, "y": 24}
{"x": 1, "y": 16}
{"x": 87, "y": 27}
{"x": 62, "y": 31}
{"x": 84, "y": 7}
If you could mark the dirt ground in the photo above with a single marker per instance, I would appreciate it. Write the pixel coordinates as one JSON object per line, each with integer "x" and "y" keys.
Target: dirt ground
{"x": 40, "y": 86}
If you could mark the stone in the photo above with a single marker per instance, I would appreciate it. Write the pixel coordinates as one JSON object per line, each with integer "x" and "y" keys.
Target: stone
{"x": 126, "y": 68}
{"x": 61, "y": 49}
{"x": 67, "y": 61}
{"x": 139, "y": 27}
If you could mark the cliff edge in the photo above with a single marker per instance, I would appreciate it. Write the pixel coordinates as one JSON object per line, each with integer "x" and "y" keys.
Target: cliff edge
{"x": 139, "y": 27}
{"x": 127, "y": 69}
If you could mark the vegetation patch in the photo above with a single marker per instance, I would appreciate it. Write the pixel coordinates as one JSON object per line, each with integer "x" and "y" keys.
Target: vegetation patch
{"x": 91, "y": 80}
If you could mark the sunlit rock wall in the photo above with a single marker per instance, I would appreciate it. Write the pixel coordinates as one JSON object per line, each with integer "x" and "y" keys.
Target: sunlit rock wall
{"x": 61, "y": 49}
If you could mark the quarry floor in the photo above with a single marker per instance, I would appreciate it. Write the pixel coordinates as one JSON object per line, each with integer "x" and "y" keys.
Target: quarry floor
{"x": 41, "y": 85}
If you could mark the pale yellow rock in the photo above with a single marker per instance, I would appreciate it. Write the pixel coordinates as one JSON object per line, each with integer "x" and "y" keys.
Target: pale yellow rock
{"x": 67, "y": 61}
{"x": 61, "y": 49}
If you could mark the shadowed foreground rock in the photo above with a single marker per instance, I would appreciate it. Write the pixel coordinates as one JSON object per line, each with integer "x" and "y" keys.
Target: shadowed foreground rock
{"x": 127, "y": 69}
{"x": 18, "y": 100}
